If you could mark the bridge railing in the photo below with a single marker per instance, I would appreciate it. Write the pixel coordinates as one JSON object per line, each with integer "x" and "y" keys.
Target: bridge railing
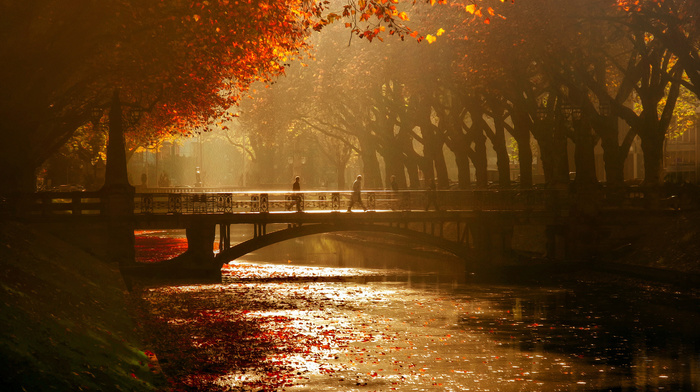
{"x": 48, "y": 204}
{"x": 246, "y": 202}
{"x": 408, "y": 200}
{"x": 56, "y": 204}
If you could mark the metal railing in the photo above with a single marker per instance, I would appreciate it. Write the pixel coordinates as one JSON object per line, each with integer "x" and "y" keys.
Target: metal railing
{"x": 162, "y": 203}
{"x": 262, "y": 202}
{"x": 55, "y": 204}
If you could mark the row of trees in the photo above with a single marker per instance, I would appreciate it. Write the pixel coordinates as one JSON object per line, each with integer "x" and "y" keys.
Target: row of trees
{"x": 539, "y": 70}
{"x": 505, "y": 69}
{"x": 182, "y": 62}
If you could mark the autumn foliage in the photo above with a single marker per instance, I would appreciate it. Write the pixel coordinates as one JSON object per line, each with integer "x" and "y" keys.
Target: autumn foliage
{"x": 183, "y": 62}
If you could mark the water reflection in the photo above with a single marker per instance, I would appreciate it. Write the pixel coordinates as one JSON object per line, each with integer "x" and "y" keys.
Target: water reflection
{"x": 326, "y": 314}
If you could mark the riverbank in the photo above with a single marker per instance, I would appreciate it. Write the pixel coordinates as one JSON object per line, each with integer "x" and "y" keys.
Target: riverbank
{"x": 673, "y": 245}
{"x": 64, "y": 321}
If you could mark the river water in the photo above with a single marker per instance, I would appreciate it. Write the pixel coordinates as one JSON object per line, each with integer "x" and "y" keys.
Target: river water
{"x": 329, "y": 313}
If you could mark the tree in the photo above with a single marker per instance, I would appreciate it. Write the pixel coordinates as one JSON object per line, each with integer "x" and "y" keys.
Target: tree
{"x": 185, "y": 61}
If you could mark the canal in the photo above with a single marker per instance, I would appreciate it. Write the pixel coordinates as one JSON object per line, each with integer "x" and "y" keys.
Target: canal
{"x": 330, "y": 313}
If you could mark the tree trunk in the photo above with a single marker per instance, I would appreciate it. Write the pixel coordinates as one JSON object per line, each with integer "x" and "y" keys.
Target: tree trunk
{"x": 502, "y": 158}
{"x": 434, "y": 159}
{"x": 547, "y": 159}
{"x": 464, "y": 177}
{"x": 653, "y": 149}
{"x": 413, "y": 176}
{"x": 480, "y": 161}
{"x": 614, "y": 159}
{"x": 560, "y": 157}
{"x": 525, "y": 160}
{"x": 340, "y": 174}
{"x": 521, "y": 134}
{"x": 443, "y": 180}
{"x": 585, "y": 156}
{"x": 370, "y": 164}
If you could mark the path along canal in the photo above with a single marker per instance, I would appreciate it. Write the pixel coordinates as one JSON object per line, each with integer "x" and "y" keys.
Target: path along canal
{"x": 326, "y": 314}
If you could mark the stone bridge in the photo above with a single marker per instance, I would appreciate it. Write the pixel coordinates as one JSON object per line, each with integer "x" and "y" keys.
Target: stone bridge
{"x": 476, "y": 226}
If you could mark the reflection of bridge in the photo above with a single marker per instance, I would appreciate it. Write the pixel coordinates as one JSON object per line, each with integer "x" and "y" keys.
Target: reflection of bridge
{"x": 469, "y": 224}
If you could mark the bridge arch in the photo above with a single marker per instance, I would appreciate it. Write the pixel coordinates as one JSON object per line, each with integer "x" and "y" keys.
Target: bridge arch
{"x": 457, "y": 249}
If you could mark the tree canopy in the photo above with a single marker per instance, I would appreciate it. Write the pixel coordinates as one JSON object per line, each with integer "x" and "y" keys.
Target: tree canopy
{"x": 183, "y": 61}
{"x": 187, "y": 62}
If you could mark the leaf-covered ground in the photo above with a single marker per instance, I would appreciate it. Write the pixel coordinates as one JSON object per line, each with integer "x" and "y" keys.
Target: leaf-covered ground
{"x": 64, "y": 321}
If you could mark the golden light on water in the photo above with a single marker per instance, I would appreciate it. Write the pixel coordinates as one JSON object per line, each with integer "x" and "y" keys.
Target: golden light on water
{"x": 328, "y": 331}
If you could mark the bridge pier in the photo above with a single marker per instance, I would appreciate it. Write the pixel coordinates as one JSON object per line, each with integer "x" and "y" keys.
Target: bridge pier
{"x": 198, "y": 259}
{"x": 200, "y": 243}
{"x": 556, "y": 242}
{"x": 492, "y": 242}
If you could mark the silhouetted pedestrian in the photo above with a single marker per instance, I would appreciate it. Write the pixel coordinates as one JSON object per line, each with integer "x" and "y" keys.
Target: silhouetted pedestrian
{"x": 356, "y": 194}
{"x": 296, "y": 196}
{"x": 394, "y": 185}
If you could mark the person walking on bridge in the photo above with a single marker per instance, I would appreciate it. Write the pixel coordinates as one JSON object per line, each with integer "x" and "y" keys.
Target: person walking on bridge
{"x": 296, "y": 196}
{"x": 356, "y": 194}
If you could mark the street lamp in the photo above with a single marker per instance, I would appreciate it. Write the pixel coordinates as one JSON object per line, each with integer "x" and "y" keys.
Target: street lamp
{"x": 135, "y": 115}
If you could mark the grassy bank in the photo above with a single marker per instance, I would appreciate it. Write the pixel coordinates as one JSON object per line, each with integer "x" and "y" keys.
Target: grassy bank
{"x": 64, "y": 321}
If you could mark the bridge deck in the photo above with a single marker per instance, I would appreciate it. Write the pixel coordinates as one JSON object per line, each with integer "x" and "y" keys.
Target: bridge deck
{"x": 176, "y": 209}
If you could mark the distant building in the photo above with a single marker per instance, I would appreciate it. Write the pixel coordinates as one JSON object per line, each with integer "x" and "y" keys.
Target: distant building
{"x": 681, "y": 163}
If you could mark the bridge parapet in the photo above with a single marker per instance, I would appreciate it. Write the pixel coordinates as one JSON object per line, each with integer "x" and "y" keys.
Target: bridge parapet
{"x": 408, "y": 200}
{"x": 64, "y": 204}
{"x": 56, "y": 204}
